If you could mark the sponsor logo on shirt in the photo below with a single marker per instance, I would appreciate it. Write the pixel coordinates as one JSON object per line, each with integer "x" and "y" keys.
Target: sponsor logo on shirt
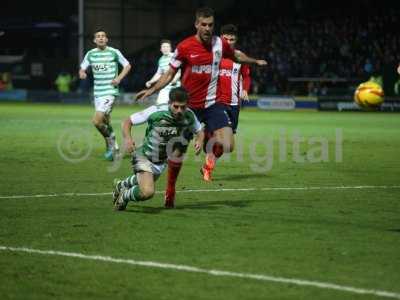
{"x": 167, "y": 131}
{"x": 203, "y": 69}
{"x": 100, "y": 67}
{"x": 225, "y": 72}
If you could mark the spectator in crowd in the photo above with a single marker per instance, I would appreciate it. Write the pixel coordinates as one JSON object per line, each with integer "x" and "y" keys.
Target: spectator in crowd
{"x": 63, "y": 82}
{"x": 5, "y": 81}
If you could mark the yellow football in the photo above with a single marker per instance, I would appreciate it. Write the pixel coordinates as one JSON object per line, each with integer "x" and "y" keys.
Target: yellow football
{"x": 369, "y": 95}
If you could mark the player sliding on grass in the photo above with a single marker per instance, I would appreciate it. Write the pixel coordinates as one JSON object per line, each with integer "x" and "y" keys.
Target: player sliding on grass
{"x": 199, "y": 58}
{"x": 170, "y": 128}
{"x": 104, "y": 62}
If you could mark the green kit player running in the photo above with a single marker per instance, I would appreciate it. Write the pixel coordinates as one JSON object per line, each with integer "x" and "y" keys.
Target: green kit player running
{"x": 170, "y": 127}
{"x": 104, "y": 61}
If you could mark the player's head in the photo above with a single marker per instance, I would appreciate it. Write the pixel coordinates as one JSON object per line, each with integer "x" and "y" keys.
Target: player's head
{"x": 230, "y": 33}
{"x": 178, "y": 98}
{"x": 204, "y": 24}
{"x": 100, "y": 38}
{"x": 165, "y": 47}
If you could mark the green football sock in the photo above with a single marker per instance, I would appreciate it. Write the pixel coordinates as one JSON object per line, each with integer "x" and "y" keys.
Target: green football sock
{"x": 130, "y": 181}
{"x": 104, "y": 130}
{"x": 133, "y": 194}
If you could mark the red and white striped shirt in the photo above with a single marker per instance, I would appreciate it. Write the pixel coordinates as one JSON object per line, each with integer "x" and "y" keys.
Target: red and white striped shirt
{"x": 200, "y": 65}
{"x": 233, "y": 78}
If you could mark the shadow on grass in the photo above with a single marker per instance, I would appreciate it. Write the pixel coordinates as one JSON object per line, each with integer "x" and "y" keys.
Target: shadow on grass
{"x": 206, "y": 205}
{"x": 241, "y": 177}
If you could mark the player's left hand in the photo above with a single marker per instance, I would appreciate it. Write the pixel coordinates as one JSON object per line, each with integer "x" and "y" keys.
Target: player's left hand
{"x": 245, "y": 96}
{"x": 115, "y": 82}
{"x": 197, "y": 147}
{"x": 398, "y": 69}
{"x": 261, "y": 62}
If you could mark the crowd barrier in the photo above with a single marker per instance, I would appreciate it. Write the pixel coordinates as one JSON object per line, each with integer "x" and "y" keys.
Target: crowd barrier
{"x": 263, "y": 102}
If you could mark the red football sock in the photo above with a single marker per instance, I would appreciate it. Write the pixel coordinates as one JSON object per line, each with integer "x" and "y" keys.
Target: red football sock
{"x": 173, "y": 172}
{"x": 211, "y": 158}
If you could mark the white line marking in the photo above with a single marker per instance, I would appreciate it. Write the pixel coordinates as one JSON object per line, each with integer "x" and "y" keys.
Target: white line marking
{"x": 304, "y": 188}
{"x": 153, "y": 264}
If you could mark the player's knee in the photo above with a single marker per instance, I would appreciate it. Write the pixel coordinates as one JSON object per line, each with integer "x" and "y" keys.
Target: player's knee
{"x": 147, "y": 192}
{"x": 97, "y": 122}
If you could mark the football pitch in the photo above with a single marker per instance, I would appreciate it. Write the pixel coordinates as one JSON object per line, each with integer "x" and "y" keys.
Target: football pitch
{"x": 307, "y": 207}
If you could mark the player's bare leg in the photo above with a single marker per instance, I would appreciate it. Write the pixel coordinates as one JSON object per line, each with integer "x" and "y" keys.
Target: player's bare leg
{"x": 102, "y": 122}
{"x": 222, "y": 141}
{"x": 143, "y": 190}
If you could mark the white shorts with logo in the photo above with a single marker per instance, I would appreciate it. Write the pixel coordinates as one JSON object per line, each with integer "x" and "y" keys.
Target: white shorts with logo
{"x": 104, "y": 104}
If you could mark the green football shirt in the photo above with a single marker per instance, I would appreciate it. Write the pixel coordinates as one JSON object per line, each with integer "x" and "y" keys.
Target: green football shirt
{"x": 104, "y": 64}
{"x": 163, "y": 130}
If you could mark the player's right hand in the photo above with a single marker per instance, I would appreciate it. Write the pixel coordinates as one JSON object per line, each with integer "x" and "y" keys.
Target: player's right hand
{"x": 143, "y": 94}
{"x": 82, "y": 75}
{"x": 261, "y": 62}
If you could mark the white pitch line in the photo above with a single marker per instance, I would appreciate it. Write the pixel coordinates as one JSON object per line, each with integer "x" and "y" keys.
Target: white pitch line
{"x": 261, "y": 277}
{"x": 304, "y": 188}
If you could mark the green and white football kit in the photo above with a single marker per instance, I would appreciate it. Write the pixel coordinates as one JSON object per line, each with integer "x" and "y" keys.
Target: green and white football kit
{"x": 163, "y": 66}
{"x": 104, "y": 64}
{"x": 164, "y": 134}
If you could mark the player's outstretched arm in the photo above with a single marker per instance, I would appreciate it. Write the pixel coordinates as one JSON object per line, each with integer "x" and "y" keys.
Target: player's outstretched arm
{"x": 161, "y": 83}
{"x": 244, "y": 59}
{"x": 177, "y": 77}
{"x": 153, "y": 80}
{"x": 129, "y": 143}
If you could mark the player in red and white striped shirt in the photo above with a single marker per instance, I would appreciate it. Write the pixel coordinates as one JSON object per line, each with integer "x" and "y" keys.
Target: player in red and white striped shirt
{"x": 233, "y": 85}
{"x": 199, "y": 58}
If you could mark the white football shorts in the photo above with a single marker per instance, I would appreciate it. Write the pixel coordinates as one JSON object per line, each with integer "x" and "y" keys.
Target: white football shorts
{"x": 104, "y": 104}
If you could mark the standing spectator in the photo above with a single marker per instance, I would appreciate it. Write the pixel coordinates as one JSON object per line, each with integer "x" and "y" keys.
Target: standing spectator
{"x": 6, "y": 82}
{"x": 63, "y": 82}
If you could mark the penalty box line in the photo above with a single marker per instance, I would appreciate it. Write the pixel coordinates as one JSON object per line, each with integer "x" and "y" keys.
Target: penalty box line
{"x": 304, "y": 188}
{"x": 212, "y": 272}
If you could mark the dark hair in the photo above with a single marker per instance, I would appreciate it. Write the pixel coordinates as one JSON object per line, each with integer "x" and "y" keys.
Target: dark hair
{"x": 99, "y": 30}
{"x": 229, "y": 29}
{"x": 178, "y": 94}
{"x": 204, "y": 12}
{"x": 165, "y": 41}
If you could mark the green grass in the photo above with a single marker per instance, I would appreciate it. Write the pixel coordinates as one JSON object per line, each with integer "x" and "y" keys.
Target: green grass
{"x": 348, "y": 237}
